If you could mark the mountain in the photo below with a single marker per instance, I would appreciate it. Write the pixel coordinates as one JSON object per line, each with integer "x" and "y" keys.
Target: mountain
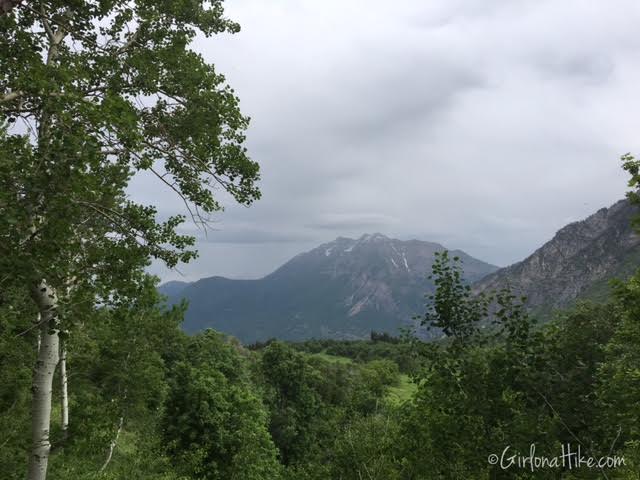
{"x": 576, "y": 264}
{"x": 342, "y": 289}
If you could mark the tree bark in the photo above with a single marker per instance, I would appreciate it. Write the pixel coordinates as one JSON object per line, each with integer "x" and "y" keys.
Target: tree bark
{"x": 64, "y": 396}
{"x": 48, "y": 356}
{"x": 113, "y": 444}
{"x": 46, "y": 300}
{"x": 39, "y": 333}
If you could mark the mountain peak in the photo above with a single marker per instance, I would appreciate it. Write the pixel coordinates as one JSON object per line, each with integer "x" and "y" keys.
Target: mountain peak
{"x": 340, "y": 289}
{"x": 372, "y": 237}
{"x": 348, "y": 245}
{"x": 366, "y": 237}
{"x": 348, "y": 287}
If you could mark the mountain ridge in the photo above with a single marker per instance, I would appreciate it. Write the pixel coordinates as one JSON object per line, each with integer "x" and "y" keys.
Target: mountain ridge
{"x": 347, "y": 287}
{"x": 576, "y": 263}
{"x": 341, "y": 289}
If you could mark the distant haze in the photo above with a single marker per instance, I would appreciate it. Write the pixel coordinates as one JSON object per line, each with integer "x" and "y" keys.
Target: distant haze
{"x": 484, "y": 126}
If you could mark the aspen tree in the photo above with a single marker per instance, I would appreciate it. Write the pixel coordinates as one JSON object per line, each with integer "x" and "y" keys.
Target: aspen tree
{"x": 91, "y": 93}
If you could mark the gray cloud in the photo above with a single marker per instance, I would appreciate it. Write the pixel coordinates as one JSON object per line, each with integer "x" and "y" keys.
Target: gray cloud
{"x": 485, "y": 126}
{"x": 238, "y": 235}
{"x": 342, "y": 222}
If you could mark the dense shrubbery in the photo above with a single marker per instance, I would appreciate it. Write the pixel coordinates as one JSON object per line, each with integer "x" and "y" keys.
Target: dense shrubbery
{"x": 171, "y": 406}
{"x": 570, "y": 382}
{"x": 381, "y": 346}
{"x": 178, "y": 407}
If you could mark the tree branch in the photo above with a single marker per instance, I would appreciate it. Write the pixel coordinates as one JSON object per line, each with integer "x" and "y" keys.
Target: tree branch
{"x": 9, "y": 97}
{"x": 196, "y": 217}
{"x": 129, "y": 43}
{"x": 46, "y": 24}
{"x": 112, "y": 446}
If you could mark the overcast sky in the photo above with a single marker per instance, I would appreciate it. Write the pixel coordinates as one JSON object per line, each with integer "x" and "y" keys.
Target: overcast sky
{"x": 485, "y": 126}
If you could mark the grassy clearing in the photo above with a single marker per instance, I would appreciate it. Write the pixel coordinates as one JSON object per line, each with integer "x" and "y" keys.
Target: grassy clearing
{"x": 332, "y": 358}
{"x": 403, "y": 392}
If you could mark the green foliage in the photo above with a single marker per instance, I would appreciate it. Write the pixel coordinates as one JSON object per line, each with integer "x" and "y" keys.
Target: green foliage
{"x": 313, "y": 397}
{"x": 138, "y": 455}
{"x": 383, "y": 337}
{"x": 118, "y": 366}
{"x": 574, "y": 351}
{"x": 116, "y": 371}
{"x": 16, "y": 359}
{"x": 214, "y": 422}
{"x": 619, "y": 372}
{"x": 518, "y": 385}
{"x": 91, "y": 94}
{"x": 372, "y": 382}
{"x": 108, "y": 90}
{"x": 402, "y": 392}
{"x": 294, "y": 403}
{"x": 453, "y": 308}
{"x": 398, "y": 350}
{"x": 205, "y": 407}
{"x": 365, "y": 448}
{"x": 632, "y": 166}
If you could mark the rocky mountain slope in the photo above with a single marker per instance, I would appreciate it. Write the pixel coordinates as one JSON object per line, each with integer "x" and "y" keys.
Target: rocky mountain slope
{"x": 341, "y": 289}
{"x": 577, "y": 263}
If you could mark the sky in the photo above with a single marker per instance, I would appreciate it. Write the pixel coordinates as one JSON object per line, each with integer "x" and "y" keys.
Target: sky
{"x": 485, "y": 126}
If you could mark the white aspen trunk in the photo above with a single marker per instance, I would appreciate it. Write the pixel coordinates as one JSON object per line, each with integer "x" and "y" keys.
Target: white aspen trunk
{"x": 112, "y": 447}
{"x": 47, "y": 302}
{"x": 64, "y": 396}
{"x": 39, "y": 332}
{"x": 42, "y": 386}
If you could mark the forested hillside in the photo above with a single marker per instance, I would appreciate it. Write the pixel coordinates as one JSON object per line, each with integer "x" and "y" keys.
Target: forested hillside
{"x": 147, "y": 401}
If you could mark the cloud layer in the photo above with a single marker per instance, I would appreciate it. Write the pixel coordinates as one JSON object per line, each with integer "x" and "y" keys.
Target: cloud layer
{"x": 485, "y": 126}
